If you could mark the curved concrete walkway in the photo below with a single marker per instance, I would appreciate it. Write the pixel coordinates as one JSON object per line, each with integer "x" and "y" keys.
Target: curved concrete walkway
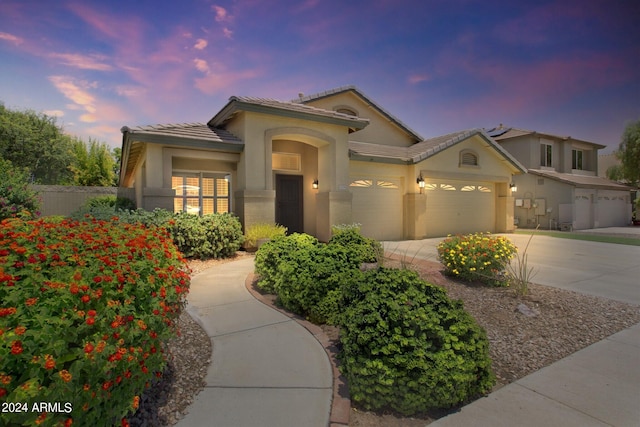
{"x": 266, "y": 369}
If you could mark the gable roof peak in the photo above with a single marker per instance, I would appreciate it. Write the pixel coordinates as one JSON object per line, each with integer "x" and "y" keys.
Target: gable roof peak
{"x": 352, "y": 88}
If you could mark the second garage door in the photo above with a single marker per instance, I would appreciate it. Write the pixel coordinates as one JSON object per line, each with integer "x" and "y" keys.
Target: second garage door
{"x": 459, "y": 207}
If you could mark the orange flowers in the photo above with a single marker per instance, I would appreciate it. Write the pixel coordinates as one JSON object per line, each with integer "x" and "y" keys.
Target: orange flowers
{"x": 88, "y": 348}
{"x": 31, "y": 301}
{"x": 16, "y": 347}
{"x": 65, "y": 375}
{"x": 4, "y": 312}
{"x": 49, "y": 363}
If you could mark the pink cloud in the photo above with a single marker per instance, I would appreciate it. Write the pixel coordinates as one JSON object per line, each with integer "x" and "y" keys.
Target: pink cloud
{"x": 201, "y": 65}
{"x": 11, "y": 38}
{"x": 75, "y": 91}
{"x": 217, "y": 82}
{"x": 200, "y": 44}
{"x": 85, "y": 62}
{"x": 221, "y": 14}
{"x": 418, "y": 78}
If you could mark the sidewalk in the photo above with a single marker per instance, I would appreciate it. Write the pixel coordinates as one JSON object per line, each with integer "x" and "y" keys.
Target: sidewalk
{"x": 266, "y": 369}
{"x": 596, "y": 386}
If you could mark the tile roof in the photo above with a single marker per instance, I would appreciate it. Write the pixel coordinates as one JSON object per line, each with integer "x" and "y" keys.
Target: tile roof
{"x": 293, "y": 109}
{"x": 194, "y": 131}
{"x": 581, "y": 181}
{"x": 501, "y": 132}
{"x": 367, "y": 99}
{"x": 424, "y": 149}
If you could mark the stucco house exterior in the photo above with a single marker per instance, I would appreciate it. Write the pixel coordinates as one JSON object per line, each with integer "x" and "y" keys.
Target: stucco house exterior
{"x": 336, "y": 157}
{"x": 562, "y": 189}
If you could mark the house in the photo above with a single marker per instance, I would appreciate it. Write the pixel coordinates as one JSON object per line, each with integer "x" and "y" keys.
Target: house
{"x": 331, "y": 158}
{"x": 562, "y": 188}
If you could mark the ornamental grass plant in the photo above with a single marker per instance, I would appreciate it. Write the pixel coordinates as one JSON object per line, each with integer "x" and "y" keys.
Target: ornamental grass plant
{"x": 477, "y": 257}
{"x": 85, "y": 309}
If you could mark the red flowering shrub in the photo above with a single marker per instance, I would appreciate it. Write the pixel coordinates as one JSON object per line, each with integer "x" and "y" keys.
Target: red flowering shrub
{"x": 85, "y": 308}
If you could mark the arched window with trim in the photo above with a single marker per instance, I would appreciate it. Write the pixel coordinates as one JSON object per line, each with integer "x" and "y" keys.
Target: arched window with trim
{"x": 468, "y": 158}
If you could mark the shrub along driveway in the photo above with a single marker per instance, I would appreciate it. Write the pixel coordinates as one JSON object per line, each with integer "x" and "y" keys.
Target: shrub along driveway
{"x": 603, "y": 269}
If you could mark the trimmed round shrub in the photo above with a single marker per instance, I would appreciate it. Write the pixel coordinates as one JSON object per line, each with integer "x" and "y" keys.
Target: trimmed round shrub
{"x": 365, "y": 249}
{"x": 478, "y": 256}
{"x": 309, "y": 276}
{"x": 208, "y": 236}
{"x": 85, "y": 311}
{"x": 276, "y": 252}
{"x": 409, "y": 348}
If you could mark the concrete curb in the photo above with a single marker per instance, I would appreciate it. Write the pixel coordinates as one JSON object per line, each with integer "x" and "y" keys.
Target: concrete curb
{"x": 340, "y": 402}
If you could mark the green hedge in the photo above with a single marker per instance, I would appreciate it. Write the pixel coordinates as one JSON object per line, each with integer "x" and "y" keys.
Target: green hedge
{"x": 407, "y": 347}
{"x": 85, "y": 310}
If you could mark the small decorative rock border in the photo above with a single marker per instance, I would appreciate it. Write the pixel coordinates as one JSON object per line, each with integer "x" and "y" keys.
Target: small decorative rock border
{"x": 340, "y": 402}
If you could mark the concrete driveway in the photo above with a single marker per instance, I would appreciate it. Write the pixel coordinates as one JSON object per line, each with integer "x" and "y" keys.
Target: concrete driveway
{"x": 603, "y": 269}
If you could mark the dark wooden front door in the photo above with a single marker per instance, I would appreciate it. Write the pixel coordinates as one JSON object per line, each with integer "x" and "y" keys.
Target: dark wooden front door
{"x": 289, "y": 202}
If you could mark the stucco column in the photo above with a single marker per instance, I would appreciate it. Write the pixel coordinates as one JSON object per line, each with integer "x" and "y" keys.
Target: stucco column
{"x": 415, "y": 216}
{"x": 333, "y": 208}
{"x": 505, "y": 209}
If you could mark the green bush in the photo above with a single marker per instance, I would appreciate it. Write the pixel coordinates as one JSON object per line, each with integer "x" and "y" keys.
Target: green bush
{"x": 310, "y": 274}
{"x": 85, "y": 311}
{"x": 110, "y": 201}
{"x": 208, "y": 236}
{"x": 407, "y": 347}
{"x": 477, "y": 256}
{"x": 365, "y": 249}
{"x": 16, "y": 199}
{"x": 276, "y": 252}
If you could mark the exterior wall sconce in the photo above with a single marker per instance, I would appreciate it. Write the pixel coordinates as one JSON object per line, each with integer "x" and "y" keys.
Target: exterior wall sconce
{"x": 315, "y": 184}
{"x": 513, "y": 187}
{"x": 420, "y": 182}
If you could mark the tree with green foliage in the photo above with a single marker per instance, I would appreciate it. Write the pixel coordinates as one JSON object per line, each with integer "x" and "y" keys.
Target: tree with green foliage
{"x": 35, "y": 142}
{"x": 16, "y": 198}
{"x": 629, "y": 155}
{"x": 93, "y": 164}
{"x": 117, "y": 157}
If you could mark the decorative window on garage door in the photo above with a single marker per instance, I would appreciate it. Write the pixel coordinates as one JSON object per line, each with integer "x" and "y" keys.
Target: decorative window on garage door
{"x": 375, "y": 183}
{"x": 451, "y": 187}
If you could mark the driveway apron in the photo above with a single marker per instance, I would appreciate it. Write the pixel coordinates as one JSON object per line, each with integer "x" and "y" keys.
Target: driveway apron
{"x": 266, "y": 369}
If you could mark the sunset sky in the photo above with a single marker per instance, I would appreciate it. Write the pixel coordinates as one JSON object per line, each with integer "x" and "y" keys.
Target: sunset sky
{"x": 561, "y": 67}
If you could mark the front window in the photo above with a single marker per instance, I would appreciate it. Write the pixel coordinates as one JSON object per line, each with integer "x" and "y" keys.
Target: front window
{"x": 546, "y": 155}
{"x": 201, "y": 193}
{"x": 576, "y": 162}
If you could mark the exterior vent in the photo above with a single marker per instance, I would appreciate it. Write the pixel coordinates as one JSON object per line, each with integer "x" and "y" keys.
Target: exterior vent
{"x": 468, "y": 158}
{"x": 286, "y": 162}
{"x": 540, "y": 181}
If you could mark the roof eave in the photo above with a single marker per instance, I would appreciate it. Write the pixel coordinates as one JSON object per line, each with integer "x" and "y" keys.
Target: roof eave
{"x": 176, "y": 140}
{"x": 378, "y": 159}
{"x": 235, "y": 105}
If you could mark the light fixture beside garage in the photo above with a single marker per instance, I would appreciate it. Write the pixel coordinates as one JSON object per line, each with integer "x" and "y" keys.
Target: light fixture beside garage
{"x": 513, "y": 187}
{"x": 315, "y": 184}
{"x": 420, "y": 182}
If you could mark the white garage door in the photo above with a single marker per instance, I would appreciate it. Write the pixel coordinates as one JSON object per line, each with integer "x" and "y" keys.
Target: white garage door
{"x": 459, "y": 207}
{"x": 584, "y": 211}
{"x": 613, "y": 209}
{"x": 377, "y": 206}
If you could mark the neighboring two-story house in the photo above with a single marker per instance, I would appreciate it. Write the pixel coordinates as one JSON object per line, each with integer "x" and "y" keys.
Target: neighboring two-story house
{"x": 562, "y": 189}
